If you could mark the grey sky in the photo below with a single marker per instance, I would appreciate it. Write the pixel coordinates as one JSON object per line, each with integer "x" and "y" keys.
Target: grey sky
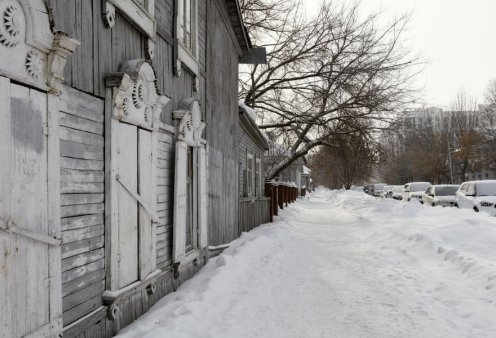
{"x": 457, "y": 37}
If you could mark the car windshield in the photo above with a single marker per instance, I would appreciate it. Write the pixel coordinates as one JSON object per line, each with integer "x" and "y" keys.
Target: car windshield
{"x": 415, "y": 187}
{"x": 486, "y": 189}
{"x": 446, "y": 191}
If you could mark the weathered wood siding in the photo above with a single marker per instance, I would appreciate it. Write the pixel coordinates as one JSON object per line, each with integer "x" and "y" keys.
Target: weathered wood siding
{"x": 222, "y": 123}
{"x": 165, "y": 186}
{"x": 103, "y": 50}
{"x": 82, "y": 202}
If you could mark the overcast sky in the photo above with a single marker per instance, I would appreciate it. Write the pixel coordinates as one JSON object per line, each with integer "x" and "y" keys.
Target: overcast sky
{"x": 457, "y": 37}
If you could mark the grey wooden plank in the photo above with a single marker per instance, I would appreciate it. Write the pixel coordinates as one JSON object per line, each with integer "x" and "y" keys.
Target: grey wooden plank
{"x": 78, "y": 222}
{"x": 73, "y": 199}
{"x": 82, "y": 282}
{"x": 82, "y": 259}
{"x": 71, "y": 120}
{"x": 79, "y": 136}
{"x": 82, "y": 233}
{"x": 81, "y": 310}
{"x": 70, "y": 275}
{"x": 75, "y": 188}
{"x": 75, "y": 102}
{"x": 82, "y": 176}
{"x": 165, "y": 164}
{"x": 82, "y": 209}
{"x": 83, "y": 295}
{"x": 80, "y": 150}
{"x": 81, "y": 246}
{"x": 74, "y": 163}
{"x": 86, "y": 68}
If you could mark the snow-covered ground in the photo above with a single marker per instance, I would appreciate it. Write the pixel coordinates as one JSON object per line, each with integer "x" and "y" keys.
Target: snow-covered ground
{"x": 343, "y": 264}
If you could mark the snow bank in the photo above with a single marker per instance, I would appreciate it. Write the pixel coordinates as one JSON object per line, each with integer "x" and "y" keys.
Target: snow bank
{"x": 456, "y": 239}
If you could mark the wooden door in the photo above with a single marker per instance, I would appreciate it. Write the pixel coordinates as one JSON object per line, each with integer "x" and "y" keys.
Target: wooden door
{"x": 26, "y": 247}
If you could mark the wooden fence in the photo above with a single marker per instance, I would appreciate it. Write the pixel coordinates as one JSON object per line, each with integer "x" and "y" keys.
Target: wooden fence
{"x": 253, "y": 212}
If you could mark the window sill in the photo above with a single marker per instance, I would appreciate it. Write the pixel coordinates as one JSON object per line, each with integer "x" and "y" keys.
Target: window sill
{"x": 188, "y": 60}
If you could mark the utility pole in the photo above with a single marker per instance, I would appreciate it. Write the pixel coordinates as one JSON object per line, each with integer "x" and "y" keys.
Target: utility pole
{"x": 449, "y": 159}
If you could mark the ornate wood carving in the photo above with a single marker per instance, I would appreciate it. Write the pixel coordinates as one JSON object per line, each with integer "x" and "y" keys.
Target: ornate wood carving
{"x": 191, "y": 125}
{"x": 63, "y": 47}
{"x": 136, "y": 99}
{"x": 29, "y": 51}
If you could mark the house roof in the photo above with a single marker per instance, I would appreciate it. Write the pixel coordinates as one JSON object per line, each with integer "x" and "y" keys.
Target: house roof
{"x": 238, "y": 25}
{"x": 251, "y": 55}
{"x": 247, "y": 119}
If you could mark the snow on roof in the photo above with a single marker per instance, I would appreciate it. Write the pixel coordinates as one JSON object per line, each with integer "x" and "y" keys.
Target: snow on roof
{"x": 306, "y": 170}
{"x": 249, "y": 111}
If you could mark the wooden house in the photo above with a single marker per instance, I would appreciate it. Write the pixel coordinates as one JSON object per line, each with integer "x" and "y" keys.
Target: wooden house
{"x": 254, "y": 206}
{"x": 118, "y": 128}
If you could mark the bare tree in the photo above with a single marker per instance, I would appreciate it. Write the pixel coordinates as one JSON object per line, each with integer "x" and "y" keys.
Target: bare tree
{"x": 347, "y": 163}
{"x": 490, "y": 93}
{"x": 326, "y": 72}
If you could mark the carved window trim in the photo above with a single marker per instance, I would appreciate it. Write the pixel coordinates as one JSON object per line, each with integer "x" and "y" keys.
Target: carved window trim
{"x": 143, "y": 15}
{"x": 185, "y": 56}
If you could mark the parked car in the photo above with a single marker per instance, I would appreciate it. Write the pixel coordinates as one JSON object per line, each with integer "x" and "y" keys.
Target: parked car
{"x": 415, "y": 190}
{"x": 385, "y": 191}
{"x": 367, "y": 188}
{"x": 441, "y": 194}
{"x": 397, "y": 192}
{"x": 376, "y": 189}
{"x": 477, "y": 195}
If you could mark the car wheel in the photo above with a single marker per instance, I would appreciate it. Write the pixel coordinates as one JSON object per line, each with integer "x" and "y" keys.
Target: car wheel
{"x": 433, "y": 204}
{"x": 476, "y": 209}
{"x": 456, "y": 205}
{"x": 421, "y": 202}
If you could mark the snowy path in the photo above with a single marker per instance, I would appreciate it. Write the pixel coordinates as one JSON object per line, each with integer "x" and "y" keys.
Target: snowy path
{"x": 343, "y": 264}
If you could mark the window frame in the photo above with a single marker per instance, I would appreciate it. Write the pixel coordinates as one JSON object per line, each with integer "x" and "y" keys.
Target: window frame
{"x": 258, "y": 175}
{"x": 250, "y": 164}
{"x": 186, "y": 56}
{"x": 143, "y": 15}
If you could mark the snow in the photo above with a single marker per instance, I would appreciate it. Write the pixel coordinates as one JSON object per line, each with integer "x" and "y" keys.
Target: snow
{"x": 249, "y": 111}
{"x": 342, "y": 264}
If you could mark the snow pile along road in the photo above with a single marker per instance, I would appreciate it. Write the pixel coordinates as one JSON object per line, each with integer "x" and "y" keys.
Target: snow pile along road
{"x": 343, "y": 264}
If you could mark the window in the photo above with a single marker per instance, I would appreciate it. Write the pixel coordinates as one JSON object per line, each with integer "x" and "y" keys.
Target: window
{"x": 249, "y": 174}
{"x": 258, "y": 178}
{"x": 187, "y": 34}
{"x": 140, "y": 12}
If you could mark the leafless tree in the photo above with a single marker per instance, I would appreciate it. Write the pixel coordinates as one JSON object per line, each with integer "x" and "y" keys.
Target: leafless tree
{"x": 490, "y": 93}
{"x": 346, "y": 163}
{"x": 336, "y": 69}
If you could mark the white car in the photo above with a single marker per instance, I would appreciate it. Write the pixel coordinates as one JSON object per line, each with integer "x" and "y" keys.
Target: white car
{"x": 397, "y": 192}
{"x": 386, "y": 190}
{"x": 477, "y": 195}
{"x": 415, "y": 190}
{"x": 377, "y": 189}
{"x": 442, "y": 194}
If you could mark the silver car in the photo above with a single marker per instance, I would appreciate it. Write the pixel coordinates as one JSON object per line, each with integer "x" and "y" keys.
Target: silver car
{"x": 441, "y": 194}
{"x": 415, "y": 190}
{"x": 477, "y": 195}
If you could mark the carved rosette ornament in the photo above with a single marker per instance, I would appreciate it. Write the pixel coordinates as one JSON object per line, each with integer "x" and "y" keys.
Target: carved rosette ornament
{"x": 136, "y": 99}
{"x": 33, "y": 64}
{"x": 12, "y": 23}
{"x": 30, "y": 52}
{"x": 191, "y": 125}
